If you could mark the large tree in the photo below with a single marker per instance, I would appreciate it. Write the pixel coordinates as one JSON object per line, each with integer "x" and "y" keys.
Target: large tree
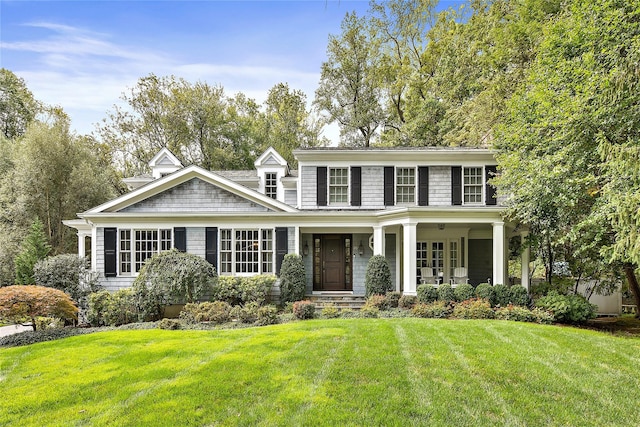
{"x": 18, "y": 107}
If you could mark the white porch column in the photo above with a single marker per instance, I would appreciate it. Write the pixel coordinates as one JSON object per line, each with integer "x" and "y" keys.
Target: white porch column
{"x": 524, "y": 260}
{"x": 296, "y": 245}
{"x": 498, "y": 253}
{"x": 81, "y": 248}
{"x": 409, "y": 255}
{"x": 378, "y": 240}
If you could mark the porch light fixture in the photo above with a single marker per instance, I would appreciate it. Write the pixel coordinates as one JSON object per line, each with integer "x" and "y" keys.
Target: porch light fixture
{"x": 440, "y": 226}
{"x": 305, "y": 249}
{"x": 361, "y": 249}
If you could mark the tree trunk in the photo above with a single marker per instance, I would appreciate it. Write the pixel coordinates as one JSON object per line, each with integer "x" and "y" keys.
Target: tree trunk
{"x": 629, "y": 271}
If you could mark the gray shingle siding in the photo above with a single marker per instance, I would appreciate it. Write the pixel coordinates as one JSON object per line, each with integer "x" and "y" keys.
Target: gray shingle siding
{"x": 373, "y": 187}
{"x": 291, "y": 197}
{"x": 195, "y": 195}
{"x": 308, "y": 183}
{"x": 440, "y": 185}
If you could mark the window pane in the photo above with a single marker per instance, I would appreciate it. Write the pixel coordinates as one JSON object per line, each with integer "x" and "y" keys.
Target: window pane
{"x": 405, "y": 185}
{"x": 472, "y": 180}
{"x": 271, "y": 185}
{"x": 338, "y": 185}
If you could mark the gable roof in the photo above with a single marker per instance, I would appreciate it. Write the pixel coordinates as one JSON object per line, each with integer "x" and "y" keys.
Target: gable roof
{"x": 183, "y": 175}
{"x": 271, "y": 157}
{"x": 166, "y": 158}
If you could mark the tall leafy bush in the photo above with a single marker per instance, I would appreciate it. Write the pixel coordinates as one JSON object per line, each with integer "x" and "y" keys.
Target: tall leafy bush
{"x": 68, "y": 273}
{"x": 292, "y": 279}
{"x": 377, "y": 280}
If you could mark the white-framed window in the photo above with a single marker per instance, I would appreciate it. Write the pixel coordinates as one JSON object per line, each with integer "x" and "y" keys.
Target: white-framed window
{"x": 472, "y": 185}
{"x": 246, "y": 251}
{"x": 405, "y": 185}
{"x": 136, "y": 246}
{"x": 453, "y": 257}
{"x": 338, "y": 185}
{"x": 271, "y": 184}
{"x": 422, "y": 257}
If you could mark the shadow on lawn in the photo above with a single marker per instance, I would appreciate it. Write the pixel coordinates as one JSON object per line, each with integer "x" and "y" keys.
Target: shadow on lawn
{"x": 626, "y": 325}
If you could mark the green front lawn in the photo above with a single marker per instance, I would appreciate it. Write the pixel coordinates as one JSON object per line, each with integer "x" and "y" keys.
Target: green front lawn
{"x": 328, "y": 372}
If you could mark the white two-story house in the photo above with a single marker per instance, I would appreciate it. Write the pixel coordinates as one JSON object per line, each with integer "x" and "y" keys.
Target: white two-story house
{"x": 430, "y": 211}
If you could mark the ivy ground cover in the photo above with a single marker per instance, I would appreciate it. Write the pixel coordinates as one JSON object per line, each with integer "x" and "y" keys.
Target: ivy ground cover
{"x": 327, "y": 372}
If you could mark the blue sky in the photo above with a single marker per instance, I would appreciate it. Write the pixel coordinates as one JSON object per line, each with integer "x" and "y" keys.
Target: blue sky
{"x": 82, "y": 55}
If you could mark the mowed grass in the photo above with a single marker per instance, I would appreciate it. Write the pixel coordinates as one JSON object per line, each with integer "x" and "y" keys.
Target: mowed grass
{"x": 365, "y": 372}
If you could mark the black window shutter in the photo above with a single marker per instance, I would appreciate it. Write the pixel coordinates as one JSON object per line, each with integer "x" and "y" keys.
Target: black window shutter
{"x": 356, "y": 186}
{"x": 282, "y": 246}
{"x": 423, "y": 186}
{"x": 211, "y": 245}
{"x": 180, "y": 238}
{"x": 490, "y": 191}
{"x": 456, "y": 185}
{"x": 389, "y": 197}
{"x": 321, "y": 196}
{"x": 110, "y": 257}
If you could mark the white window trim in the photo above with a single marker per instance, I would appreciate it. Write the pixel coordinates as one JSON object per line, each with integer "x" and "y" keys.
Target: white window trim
{"x": 415, "y": 186}
{"x": 132, "y": 251}
{"x": 234, "y": 272}
{"x": 341, "y": 204}
{"x": 482, "y": 185}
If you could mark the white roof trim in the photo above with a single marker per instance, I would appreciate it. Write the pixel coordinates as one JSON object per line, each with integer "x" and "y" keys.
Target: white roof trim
{"x": 184, "y": 175}
{"x": 268, "y": 153}
{"x": 165, "y": 152}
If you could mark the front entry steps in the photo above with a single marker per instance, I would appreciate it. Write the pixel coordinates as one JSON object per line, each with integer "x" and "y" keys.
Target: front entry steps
{"x": 340, "y": 300}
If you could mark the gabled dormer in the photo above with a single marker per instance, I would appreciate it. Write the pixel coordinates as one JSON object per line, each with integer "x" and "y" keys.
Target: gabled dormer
{"x": 271, "y": 168}
{"x": 164, "y": 163}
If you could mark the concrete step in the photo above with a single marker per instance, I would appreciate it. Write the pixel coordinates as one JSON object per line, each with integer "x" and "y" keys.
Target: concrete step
{"x": 340, "y": 301}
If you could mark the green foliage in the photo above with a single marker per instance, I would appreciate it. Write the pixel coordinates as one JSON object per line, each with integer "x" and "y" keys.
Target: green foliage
{"x": 41, "y": 335}
{"x": 407, "y": 301}
{"x": 377, "y": 280}
{"x": 463, "y": 292}
{"x": 18, "y": 107}
{"x": 392, "y": 299}
{"x": 427, "y": 293}
{"x": 515, "y": 313}
{"x": 267, "y": 315}
{"x": 216, "y": 312}
{"x": 293, "y": 281}
{"x": 227, "y": 289}
{"x": 111, "y": 308}
{"x": 256, "y": 288}
{"x": 541, "y": 289}
{"x": 485, "y": 291}
{"x": 169, "y": 324}
{"x": 171, "y": 277}
{"x": 20, "y": 302}
{"x": 68, "y": 273}
{"x": 377, "y": 301}
{"x": 474, "y": 308}
{"x": 303, "y": 310}
{"x": 501, "y": 295}
{"x": 369, "y": 311}
{"x": 433, "y": 310}
{"x": 567, "y": 308}
{"x": 445, "y": 293}
{"x": 247, "y": 313}
{"x": 518, "y": 295}
{"x": 43, "y": 323}
{"x": 34, "y": 249}
{"x": 330, "y": 311}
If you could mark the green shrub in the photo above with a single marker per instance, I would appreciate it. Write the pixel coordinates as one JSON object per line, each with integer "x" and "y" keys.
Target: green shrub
{"x": 377, "y": 279}
{"x": 33, "y": 337}
{"x": 68, "y": 273}
{"x": 171, "y": 277}
{"x": 392, "y": 299}
{"x": 228, "y": 290}
{"x": 445, "y": 293}
{"x": 48, "y": 323}
{"x": 474, "y": 308}
{"x": 427, "y": 293}
{"x": 121, "y": 308}
{"x": 407, "y": 301}
{"x": 542, "y": 316}
{"x": 501, "y": 295}
{"x": 267, "y": 315}
{"x": 330, "y": 311}
{"x": 293, "y": 281}
{"x": 376, "y": 301}
{"x": 485, "y": 291}
{"x": 370, "y": 311}
{"x": 247, "y": 313}
{"x": 98, "y": 305}
{"x": 256, "y": 288}
{"x": 463, "y": 292}
{"x": 515, "y": 313}
{"x": 303, "y": 310}
{"x": 561, "y": 285}
{"x": 169, "y": 324}
{"x": 567, "y": 308}
{"x": 518, "y": 295}
{"x": 434, "y": 310}
{"x": 216, "y": 312}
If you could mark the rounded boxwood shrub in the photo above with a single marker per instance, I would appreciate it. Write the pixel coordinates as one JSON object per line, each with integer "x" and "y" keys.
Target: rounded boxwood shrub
{"x": 501, "y": 295}
{"x": 445, "y": 293}
{"x": 256, "y": 288}
{"x": 463, "y": 292}
{"x": 407, "y": 301}
{"x": 377, "y": 280}
{"x": 485, "y": 291}
{"x": 518, "y": 295}
{"x": 216, "y": 312}
{"x": 377, "y": 301}
{"x": 392, "y": 299}
{"x": 434, "y": 310}
{"x": 293, "y": 280}
{"x": 427, "y": 293}
{"x": 267, "y": 315}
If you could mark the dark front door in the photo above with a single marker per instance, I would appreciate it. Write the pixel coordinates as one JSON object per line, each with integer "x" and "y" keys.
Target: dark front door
{"x": 333, "y": 262}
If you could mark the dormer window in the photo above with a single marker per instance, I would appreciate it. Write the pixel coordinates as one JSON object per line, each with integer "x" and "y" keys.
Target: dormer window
{"x": 271, "y": 184}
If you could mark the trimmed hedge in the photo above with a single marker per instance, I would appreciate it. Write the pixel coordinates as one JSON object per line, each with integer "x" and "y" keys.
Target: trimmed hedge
{"x": 377, "y": 279}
